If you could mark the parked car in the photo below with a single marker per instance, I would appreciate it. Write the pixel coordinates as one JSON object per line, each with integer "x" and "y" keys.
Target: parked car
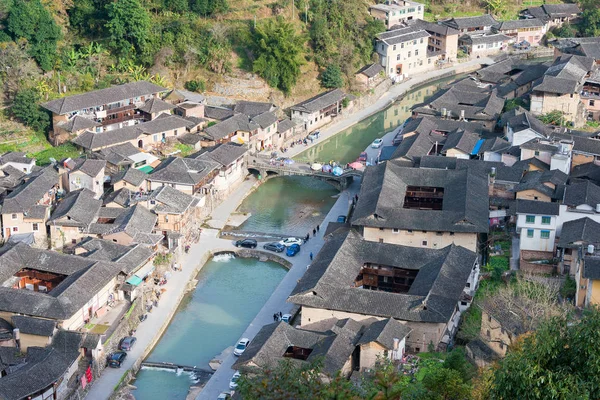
{"x": 362, "y": 157}
{"x": 290, "y": 241}
{"x": 224, "y": 396}
{"x": 241, "y": 346}
{"x": 286, "y": 318}
{"x": 377, "y": 143}
{"x": 292, "y": 250}
{"x": 397, "y": 139}
{"x": 341, "y": 219}
{"x": 247, "y": 243}
{"x": 276, "y": 247}
{"x": 127, "y": 343}
{"x": 233, "y": 382}
{"x": 116, "y": 359}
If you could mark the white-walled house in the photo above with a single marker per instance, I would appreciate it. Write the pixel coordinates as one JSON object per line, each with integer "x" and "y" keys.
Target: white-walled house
{"x": 17, "y": 160}
{"x": 536, "y": 224}
{"x": 582, "y": 199}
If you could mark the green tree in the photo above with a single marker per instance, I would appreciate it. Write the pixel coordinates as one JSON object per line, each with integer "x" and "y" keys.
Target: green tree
{"x": 446, "y": 384}
{"x": 26, "y": 109}
{"x": 332, "y": 77}
{"x": 129, "y": 28}
{"x": 287, "y": 380}
{"x": 555, "y": 117}
{"x": 559, "y": 361}
{"x": 29, "y": 19}
{"x": 209, "y": 7}
{"x": 569, "y": 288}
{"x": 565, "y": 31}
{"x": 590, "y": 22}
{"x": 279, "y": 53}
{"x": 88, "y": 16}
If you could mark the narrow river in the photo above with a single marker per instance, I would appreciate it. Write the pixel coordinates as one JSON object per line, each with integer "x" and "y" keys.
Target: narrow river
{"x": 345, "y": 146}
{"x": 231, "y": 291}
{"x": 229, "y": 294}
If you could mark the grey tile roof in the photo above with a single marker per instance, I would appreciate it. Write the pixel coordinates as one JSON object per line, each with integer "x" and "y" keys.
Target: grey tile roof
{"x": 155, "y": 105}
{"x": 224, "y": 154}
{"x": 565, "y": 75}
{"x": 133, "y": 221}
{"x": 238, "y": 122}
{"x": 319, "y": 101}
{"x": 519, "y": 23}
{"x": 403, "y": 35}
{"x": 285, "y": 125}
{"x": 84, "y": 279}
{"x": 218, "y": 113}
{"x": 526, "y": 120}
{"x": 11, "y": 177}
{"x": 102, "y": 97}
{"x": 433, "y": 296}
{"x": 15, "y": 156}
{"x": 589, "y": 171}
{"x": 582, "y": 231}
{"x": 78, "y": 123}
{"x": 465, "y": 205}
{"x": 580, "y": 193}
{"x": 384, "y": 332}
{"x": 511, "y": 317}
{"x": 78, "y": 208}
{"x": 190, "y": 139}
{"x": 550, "y": 183}
{"x": 471, "y": 22}
{"x": 561, "y": 10}
{"x": 464, "y": 141}
{"x": 418, "y": 145}
{"x": 122, "y": 197}
{"x": 433, "y": 27}
{"x": 90, "y": 167}
{"x": 265, "y": 119}
{"x": 34, "y": 326}
{"x": 253, "y": 108}
{"x": 185, "y": 171}
{"x": 476, "y": 104}
{"x": 130, "y": 257}
{"x": 494, "y": 145}
{"x": 25, "y": 197}
{"x": 171, "y": 201}
{"x": 130, "y": 175}
{"x": 591, "y": 269}
{"x": 96, "y": 141}
{"x": 536, "y": 207}
{"x": 370, "y": 70}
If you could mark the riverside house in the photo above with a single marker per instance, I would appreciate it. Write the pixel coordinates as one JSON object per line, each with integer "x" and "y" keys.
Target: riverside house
{"x": 318, "y": 110}
{"x": 423, "y": 288}
{"x": 394, "y": 12}
{"x": 99, "y": 110}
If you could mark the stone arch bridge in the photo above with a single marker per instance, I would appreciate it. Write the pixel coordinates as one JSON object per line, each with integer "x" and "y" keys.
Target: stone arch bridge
{"x": 268, "y": 170}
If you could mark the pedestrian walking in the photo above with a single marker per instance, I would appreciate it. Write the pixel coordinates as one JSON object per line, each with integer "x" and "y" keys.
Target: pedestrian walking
{"x": 317, "y": 228}
{"x": 307, "y": 237}
{"x": 314, "y": 232}
{"x": 311, "y": 256}
{"x": 280, "y": 315}
{"x": 275, "y": 317}
{"x": 356, "y": 197}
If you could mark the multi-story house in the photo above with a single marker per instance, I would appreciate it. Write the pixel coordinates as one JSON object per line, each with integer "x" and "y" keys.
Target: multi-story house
{"x": 177, "y": 214}
{"x": 185, "y": 174}
{"x": 27, "y": 208}
{"x": 238, "y": 128}
{"x": 483, "y": 44}
{"x": 425, "y": 289}
{"x": 83, "y": 173}
{"x": 71, "y": 220}
{"x": 579, "y": 238}
{"x": 318, "y": 110}
{"x": 529, "y": 30}
{"x": 99, "y": 110}
{"x": 17, "y": 160}
{"x": 537, "y": 223}
{"x": 230, "y": 157}
{"x": 553, "y": 15}
{"x": 394, "y": 12}
{"x": 585, "y": 47}
{"x": 443, "y": 40}
{"x": 422, "y": 207}
{"x": 560, "y": 89}
{"x": 403, "y": 51}
{"x": 466, "y": 25}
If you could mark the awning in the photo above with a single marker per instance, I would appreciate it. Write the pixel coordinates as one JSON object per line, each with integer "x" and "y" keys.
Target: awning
{"x": 145, "y": 270}
{"x": 134, "y": 280}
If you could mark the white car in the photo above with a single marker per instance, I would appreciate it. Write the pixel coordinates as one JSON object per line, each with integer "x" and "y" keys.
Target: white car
{"x": 234, "y": 379}
{"x": 241, "y": 346}
{"x": 286, "y": 318}
{"x": 290, "y": 241}
{"x": 224, "y": 396}
{"x": 377, "y": 143}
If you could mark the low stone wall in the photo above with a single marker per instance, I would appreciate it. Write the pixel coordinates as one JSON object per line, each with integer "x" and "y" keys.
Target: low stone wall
{"x": 263, "y": 256}
{"x": 527, "y": 266}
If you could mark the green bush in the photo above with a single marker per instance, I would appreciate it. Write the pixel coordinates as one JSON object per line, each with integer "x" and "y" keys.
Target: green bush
{"x": 198, "y": 86}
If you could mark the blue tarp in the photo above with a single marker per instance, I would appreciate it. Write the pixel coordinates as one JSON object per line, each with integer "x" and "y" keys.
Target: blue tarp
{"x": 477, "y": 147}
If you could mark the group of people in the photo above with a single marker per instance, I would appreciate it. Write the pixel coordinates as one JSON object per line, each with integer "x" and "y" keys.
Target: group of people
{"x": 277, "y": 316}
{"x": 315, "y": 230}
